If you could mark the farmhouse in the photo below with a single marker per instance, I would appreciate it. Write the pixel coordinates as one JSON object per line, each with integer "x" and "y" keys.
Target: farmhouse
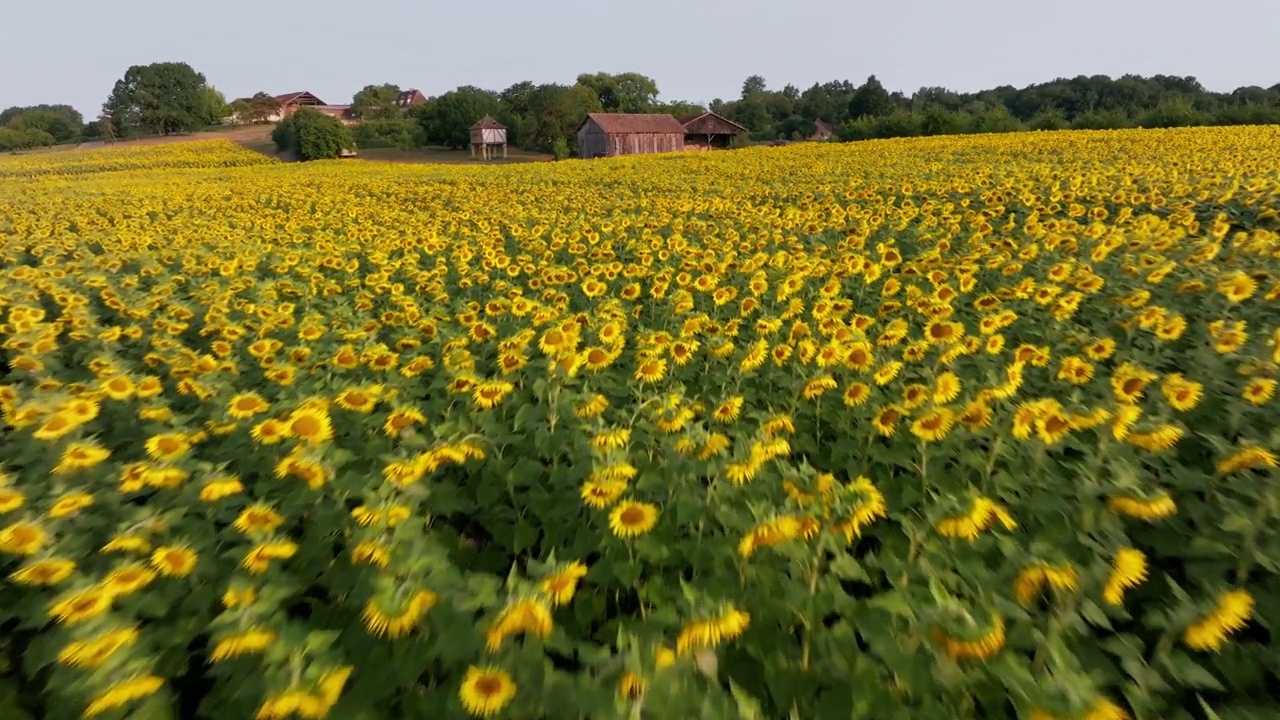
{"x": 610, "y": 134}
{"x": 707, "y": 131}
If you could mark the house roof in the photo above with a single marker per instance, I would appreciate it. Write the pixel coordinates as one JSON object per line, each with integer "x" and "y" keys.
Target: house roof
{"x": 628, "y": 123}
{"x": 295, "y": 96}
{"x": 488, "y": 123}
{"x": 823, "y": 126}
{"x": 410, "y": 97}
{"x": 687, "y": 120}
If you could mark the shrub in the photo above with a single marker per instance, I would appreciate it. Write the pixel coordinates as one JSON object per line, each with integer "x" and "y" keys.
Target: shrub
{"x": 400, "y": 132}
{"x": 11, "y": 139}
{"x": 312, "y": 135}
{"x": 560, "y": 148}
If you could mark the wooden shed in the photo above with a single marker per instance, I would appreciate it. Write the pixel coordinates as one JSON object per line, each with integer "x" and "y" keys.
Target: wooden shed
{"x": 486, "y": 135}
{"x": 707, "y": 131}
{"x": 822, "y": 130}
{"x": 610, "y": 134}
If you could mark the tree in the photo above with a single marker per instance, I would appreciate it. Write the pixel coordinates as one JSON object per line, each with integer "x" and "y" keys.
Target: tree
{"x": 376, "y": 102}
{"x": 258, "y": 109}
{"x": 555, "y": 111}
{"x": 447, "y": 120}
{"x": 63, "y": 122}
{"x": 627, "y": 92}
{"x": 160, "y": 98}
{"x": 215, "y": 107}
{"x": 312, "y": 135}
{"x": 11, "y": 139}
{"x": 753, "y": 85}
{"x": 680, "y": 107}
{"x": 870, "y": 100}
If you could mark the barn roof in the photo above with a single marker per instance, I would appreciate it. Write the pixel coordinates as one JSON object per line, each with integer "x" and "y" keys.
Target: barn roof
{"x": 295, "y": 96}
{"x": 488, "y": 123}
{"x": 628, "y": 123}
{"x": 715, "y": 118}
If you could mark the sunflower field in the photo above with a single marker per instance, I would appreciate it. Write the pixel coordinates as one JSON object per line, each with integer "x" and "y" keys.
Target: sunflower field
{"x": 964, "y": 427}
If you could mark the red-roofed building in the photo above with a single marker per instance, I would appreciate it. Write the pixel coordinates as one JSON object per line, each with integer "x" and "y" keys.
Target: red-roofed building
{"x": 409, "y": 99}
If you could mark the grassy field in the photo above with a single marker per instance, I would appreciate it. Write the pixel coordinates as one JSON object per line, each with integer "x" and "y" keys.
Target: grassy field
{"x": 979, "y": 428}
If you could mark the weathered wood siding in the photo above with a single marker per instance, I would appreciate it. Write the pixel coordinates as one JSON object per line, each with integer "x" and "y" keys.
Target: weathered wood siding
{"x": 593, "y": 141}
{"x": 710, "y": 124}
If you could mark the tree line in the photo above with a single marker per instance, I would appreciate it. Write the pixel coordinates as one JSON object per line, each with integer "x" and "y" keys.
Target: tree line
{"x": 165, "y": 98}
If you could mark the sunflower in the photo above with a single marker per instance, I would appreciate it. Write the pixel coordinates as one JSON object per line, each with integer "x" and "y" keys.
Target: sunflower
{"x": 310, "y": 424}
{"x": 856, "y": 394}
{"x": 1032, "y": 580}
{"x": 80, "y": 456}
{"x": 54, "y": 427}
{"x": 486, "y": 691}
{"x": 1150, "y": 509}
{"x": 95, "y": 651}
{"x": 242, "y": 642}
{"x": 531, "y": 616}
{"x": 612, "y": 439}
{"x": 394, "y": 622}
{"x": 708, "y": 631}
{"x": 80, "y": 606}
{"x": 167, "y": 447}
{"x": 258, "y": 520}
{"x": 490, "y": 393}
{"x": 602, "y": 494}
{"x": 631, "y": 519}
{"x": 946, "y": 388}
{"x": 886, "y": 420}
{"x": 651, "y": 370}
{"x": 360, "y": 400}
{"x": 70, "y": 504}
{"x": 22, "y": 538}
{"x": 268, "y": 432}
{"x": 729, "y": 410}
{"x": 1182, "y": 394}
{"x": 122, "y": 693}
{"x": 1127, "y": 571}
{"x": 1230, "y": 613}
{"x": 1248, "y": 457}
{"x": 219, "y": 488}
{"x": 1100, "y": 349}
{"x": 174, "y": 561}
{"x": 1259, "y": 391}
{"x": 246, "y": 405}
{"x": 815, "y": 387}
{"x": 933, "y": 425}
{"x": 128, "y": 579}
{"x": 769, "y": 533}
{"x": 561, "y": 585}
{"x": 47, "y": 571}
{"x": 10, "y": 499}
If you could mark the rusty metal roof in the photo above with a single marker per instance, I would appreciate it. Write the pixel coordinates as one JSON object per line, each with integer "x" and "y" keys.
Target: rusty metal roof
{"x": 629, "y": 123}
{"x": 293, "y": 97}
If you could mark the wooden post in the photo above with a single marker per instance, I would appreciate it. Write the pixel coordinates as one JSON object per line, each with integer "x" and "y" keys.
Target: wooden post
{"x": 504, "y": 151}
{"x": 473, "y": 149}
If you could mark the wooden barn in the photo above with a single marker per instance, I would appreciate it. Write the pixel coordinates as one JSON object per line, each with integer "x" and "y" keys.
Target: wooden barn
{"x": 610, "y": 134}
{"x": 709, "y": 131}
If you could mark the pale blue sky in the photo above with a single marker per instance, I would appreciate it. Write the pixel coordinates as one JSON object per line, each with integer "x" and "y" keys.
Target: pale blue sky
{"x": 73, "y": 51}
